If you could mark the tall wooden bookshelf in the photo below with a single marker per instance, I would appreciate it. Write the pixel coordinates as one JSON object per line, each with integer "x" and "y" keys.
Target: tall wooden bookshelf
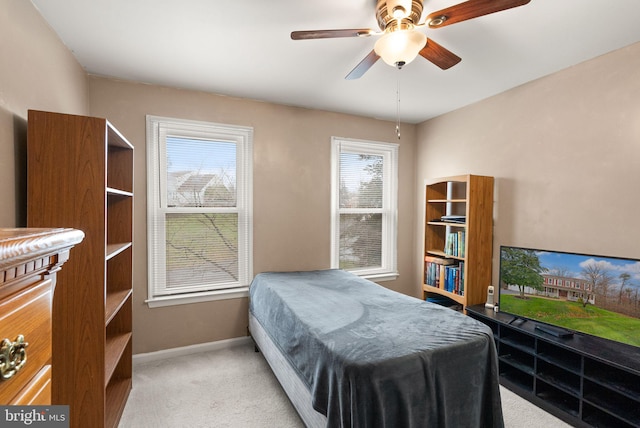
{"x": 80, "y": 175}
{"x": 458, "y": 238}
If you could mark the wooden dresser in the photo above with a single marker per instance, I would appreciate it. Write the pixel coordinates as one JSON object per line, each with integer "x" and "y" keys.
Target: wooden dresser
{"x": 29, "y": 260}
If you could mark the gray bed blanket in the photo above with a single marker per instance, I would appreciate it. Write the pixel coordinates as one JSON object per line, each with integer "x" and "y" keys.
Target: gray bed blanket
{"x": 372, "y": 357}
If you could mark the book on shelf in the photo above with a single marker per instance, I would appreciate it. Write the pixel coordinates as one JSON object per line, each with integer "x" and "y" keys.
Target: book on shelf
{"x": 455, "y": 244}
{"x": 445, "y": 274}
{"x": 454, "y": 281}
{"x": 458, "y": 219}
{"x": 434, "y": 270}
{"x": 454, "y": 218}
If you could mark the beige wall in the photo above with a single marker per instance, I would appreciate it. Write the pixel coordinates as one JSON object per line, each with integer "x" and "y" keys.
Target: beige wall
{"x": 291, "y": 195}
{"x": 36, "y": 72}
{"x": 565, "y": 151}
{"x": 291, "y": 176}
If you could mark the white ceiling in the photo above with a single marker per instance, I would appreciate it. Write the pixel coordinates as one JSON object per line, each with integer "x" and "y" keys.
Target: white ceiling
{"x": 243, "y": 48}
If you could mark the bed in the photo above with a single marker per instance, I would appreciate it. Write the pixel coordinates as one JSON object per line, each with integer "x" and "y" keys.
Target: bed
{"x": 351, "y": 353}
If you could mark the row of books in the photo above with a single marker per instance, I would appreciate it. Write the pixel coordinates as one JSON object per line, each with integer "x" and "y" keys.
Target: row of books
{"x": 454, "y": 244}
{"x": 446, "y": 274}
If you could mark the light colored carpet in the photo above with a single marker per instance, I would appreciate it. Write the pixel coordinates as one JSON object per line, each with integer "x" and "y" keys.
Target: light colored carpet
{"x": 234, "y": 387}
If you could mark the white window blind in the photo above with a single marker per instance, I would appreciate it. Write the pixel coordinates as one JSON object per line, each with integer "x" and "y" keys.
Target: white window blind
{"x": 364, "y": 207}
{"x": 199, "y": 210}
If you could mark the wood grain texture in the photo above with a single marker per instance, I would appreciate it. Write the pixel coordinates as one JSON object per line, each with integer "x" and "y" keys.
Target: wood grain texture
{"x": 27, "y": 313}
{"x": 439, "y": 55}
{"x": 471, "y": 9}
{"x": 29, "y": 262}
{"x": 330, "y": 34}
{"x": 471, "y": 196}
{"x": 38, "y": 391}
{"x": 93, "y": 163}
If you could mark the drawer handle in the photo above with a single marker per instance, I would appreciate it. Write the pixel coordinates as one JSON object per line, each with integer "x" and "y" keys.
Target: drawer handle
{"x": 13, "y": 356}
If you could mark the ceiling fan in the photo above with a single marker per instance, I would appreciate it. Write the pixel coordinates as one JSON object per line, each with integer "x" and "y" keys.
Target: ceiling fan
{"x": 401, "y": 42}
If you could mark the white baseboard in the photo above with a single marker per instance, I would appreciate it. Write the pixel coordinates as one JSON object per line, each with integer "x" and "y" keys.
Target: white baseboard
{"x": 191, "y": 349}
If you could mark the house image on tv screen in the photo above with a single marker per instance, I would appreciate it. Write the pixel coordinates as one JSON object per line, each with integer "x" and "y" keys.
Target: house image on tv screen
{"x": 596, "y": 295}
{"x": 560, "y": 287}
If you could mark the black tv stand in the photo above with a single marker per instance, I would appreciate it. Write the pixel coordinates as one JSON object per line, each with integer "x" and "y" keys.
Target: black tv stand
{"x": 584, "y": 380}
{"x": 554, "y": 331}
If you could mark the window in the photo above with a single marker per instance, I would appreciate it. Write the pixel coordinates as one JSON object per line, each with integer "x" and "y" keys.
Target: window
{"x": 198, "y": 211}
{"x": 364, "y": 187}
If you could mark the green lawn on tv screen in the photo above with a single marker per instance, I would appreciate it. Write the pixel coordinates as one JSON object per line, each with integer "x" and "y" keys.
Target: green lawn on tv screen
{"x": 573, "y": 316}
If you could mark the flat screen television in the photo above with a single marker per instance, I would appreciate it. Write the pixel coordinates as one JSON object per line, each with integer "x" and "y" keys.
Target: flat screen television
{"x": 567, "y": 293}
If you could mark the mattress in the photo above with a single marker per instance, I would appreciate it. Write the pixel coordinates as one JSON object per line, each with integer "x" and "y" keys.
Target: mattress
{"x": 371, "y": 357}
{"x": 295, "y": 389}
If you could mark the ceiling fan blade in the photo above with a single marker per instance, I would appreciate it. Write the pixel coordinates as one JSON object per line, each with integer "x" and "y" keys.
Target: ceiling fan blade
{"x": 469, "y": 10}
{"x": 330, "y": 34}
{"x": 438, "y": 55}
{"x": 363, "y": 66}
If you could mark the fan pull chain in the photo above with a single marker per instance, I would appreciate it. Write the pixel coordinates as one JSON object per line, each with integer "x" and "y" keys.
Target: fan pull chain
{"x": 398, "y": 102}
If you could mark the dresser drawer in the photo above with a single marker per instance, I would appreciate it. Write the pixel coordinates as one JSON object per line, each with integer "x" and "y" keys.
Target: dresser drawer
{"x": 27, "y": 313}
{"x": 37, "y": 392}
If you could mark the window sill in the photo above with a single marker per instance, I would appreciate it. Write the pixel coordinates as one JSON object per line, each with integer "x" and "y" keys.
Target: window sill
{"x": 380, "y": 277}
{"x": 185, "y": 299}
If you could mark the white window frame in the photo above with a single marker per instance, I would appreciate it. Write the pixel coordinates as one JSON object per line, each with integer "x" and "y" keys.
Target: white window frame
{"x": 158, "y": 128}
{"x": 389, "y": 151}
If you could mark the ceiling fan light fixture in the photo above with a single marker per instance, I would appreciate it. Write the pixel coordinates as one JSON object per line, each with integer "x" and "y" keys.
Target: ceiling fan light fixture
{"x": 399, "y": 8}
{"x": 399, "y": 12}
{"x": 400, "y": 46}
{"x": 437, "y": 21}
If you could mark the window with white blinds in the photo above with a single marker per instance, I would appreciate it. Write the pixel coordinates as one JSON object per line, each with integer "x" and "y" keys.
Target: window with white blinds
{"x": 364, "y": 207}
{"x": 198, "y": 210}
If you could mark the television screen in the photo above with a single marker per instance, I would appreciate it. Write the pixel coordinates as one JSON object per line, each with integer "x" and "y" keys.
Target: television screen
{"x": 596, "y": 295}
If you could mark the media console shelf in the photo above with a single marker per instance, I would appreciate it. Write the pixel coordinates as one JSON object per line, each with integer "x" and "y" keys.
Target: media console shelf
{"x": 584, "y": 380}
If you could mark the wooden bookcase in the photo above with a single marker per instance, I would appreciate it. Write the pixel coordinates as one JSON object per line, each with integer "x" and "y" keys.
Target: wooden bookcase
{"x": 584, "y": 380}
{"x": 80, "y": 175}
{"x": 462, "y": 273}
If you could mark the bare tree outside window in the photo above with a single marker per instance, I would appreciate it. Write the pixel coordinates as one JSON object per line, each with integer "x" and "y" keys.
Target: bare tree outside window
{"x": 199, "y": 177}
{"x": 202, "y": 246}
{"x": 364, "y": 207}
{"x": 361, "y": 187}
